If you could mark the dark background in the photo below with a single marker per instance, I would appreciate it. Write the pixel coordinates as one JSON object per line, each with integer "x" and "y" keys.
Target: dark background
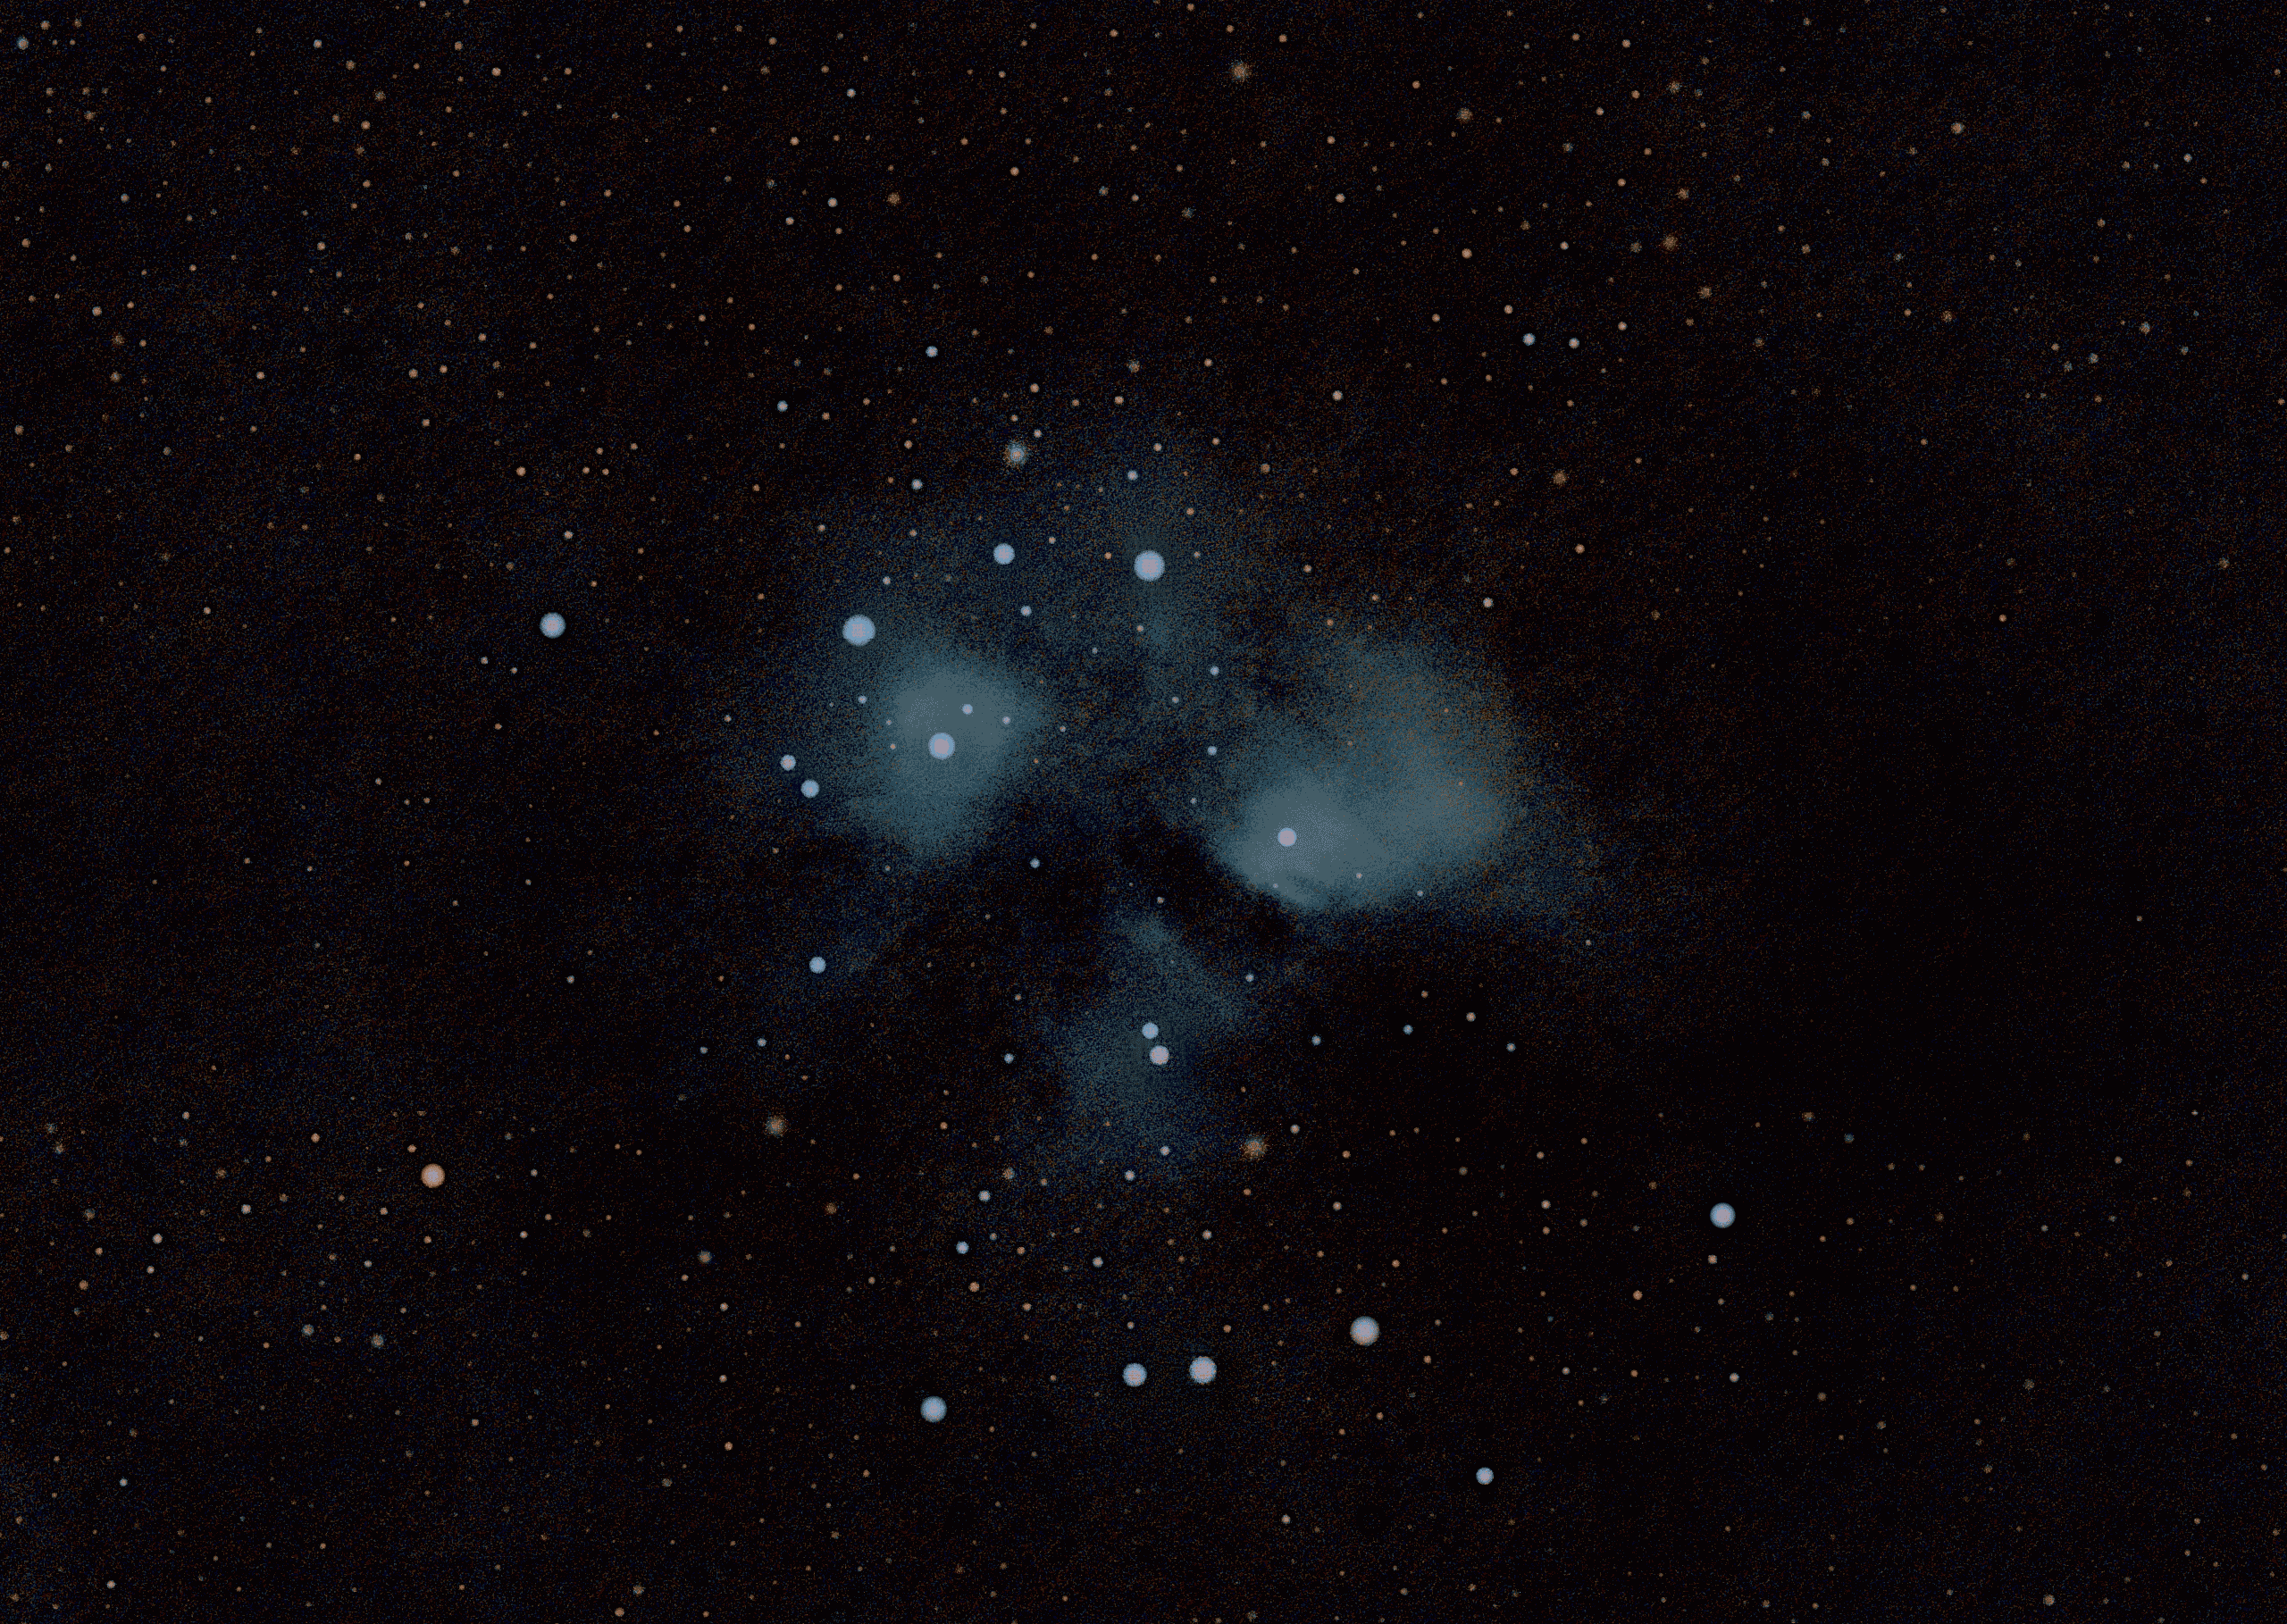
{"x": 1943, "y": 797}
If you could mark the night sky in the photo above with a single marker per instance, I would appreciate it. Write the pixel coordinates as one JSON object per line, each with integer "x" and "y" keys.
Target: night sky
{"x": 1142, "y": 812}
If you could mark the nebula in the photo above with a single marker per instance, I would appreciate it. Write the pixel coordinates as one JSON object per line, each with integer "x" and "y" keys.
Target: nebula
{"x": 1074, "y": 707}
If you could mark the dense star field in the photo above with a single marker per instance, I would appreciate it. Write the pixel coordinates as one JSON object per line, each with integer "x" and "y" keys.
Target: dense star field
{"x": 990, "y": 812}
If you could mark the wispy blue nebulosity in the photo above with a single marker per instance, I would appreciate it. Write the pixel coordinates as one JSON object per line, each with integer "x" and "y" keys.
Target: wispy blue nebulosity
{"x": 1140, "y": 721}
{"x": 934, "y": 792}
{"x": 1301, "y": 840}
{"x": 1128, "y": 1081}
{"x": 1388, "y": 782}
